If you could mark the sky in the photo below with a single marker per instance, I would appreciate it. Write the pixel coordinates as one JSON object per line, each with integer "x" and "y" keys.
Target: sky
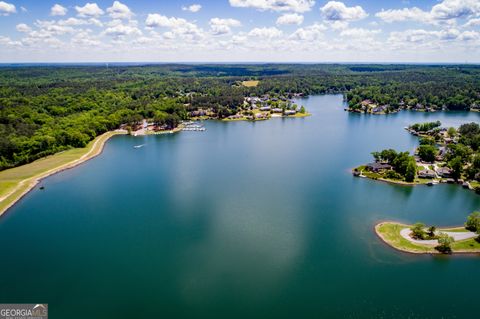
{"x": 405, "y": 31}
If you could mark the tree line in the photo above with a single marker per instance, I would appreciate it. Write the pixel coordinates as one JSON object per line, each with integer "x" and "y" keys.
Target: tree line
{"x": 47, "y": 109}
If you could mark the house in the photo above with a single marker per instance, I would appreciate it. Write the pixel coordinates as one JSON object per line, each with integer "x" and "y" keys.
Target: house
{"x": 379, "y": 109}
{"x": 444, "y": 171}
{"x": 366, "y": 102}
{"x": 442, "y": 151}
{"x": 198, "y": 113}
{"x": 427, "y": 173}
{"x": 277, "y": 110}
{"x": 290, "y": 112}
{"x": 265, "y": 108}
{"x": 377, "y": 167}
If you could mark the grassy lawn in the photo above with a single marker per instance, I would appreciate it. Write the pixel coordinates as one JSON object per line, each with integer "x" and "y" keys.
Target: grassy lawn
{"x": 11, "y": 178}
{"x": 466, "y": 245}
{"x": 250, "y": 83}
{"x": 390, "y": 233}
{"x": 300, "y": 114}
{"x": 381, "y": 176}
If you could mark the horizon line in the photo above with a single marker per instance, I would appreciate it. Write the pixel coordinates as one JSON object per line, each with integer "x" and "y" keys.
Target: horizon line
{"x": 234, "y": 62}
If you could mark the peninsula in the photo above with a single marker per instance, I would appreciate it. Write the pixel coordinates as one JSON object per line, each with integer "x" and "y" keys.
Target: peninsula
{"x": 420, "y": 239}
{"x": 445, "y": 155}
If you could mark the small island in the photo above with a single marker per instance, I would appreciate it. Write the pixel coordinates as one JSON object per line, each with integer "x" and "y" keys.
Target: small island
{"x": 420, "y": 239}
{"x": 445, "y": 155}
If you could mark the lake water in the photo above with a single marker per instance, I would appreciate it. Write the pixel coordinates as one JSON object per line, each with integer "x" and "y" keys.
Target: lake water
{"x": 245, "y": 220}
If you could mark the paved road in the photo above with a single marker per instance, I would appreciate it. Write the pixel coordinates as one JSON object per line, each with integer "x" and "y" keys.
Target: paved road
{"x": 456, "y": 235}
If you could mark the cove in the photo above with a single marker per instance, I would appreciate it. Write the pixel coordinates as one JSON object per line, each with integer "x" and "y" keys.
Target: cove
{"x": 257, "y": 220}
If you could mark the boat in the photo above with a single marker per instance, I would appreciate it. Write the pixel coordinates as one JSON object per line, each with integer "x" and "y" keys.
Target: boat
{"x": 433, "y": 182}
{"x": 139, "y": 146}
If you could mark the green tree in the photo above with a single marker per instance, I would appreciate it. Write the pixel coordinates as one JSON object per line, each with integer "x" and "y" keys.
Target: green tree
{"x": 473, "y": 222}
{"x": 451, "y": 132}
{"x": 445, "y": 243}
{"x": 418, "y": 231}
{"x": 427, "y": 141}
{"x": 431, "y": 231}
{"x": 411, "y": 171}
{"x": 427, "y": 153}
{"x": 456, "y": 165}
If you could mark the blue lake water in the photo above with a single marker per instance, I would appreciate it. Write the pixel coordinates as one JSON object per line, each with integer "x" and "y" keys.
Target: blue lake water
{"x": 244, "y": 220}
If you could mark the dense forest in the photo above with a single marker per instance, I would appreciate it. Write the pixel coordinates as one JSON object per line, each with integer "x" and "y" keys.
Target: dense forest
{"x": 45, "y": 109}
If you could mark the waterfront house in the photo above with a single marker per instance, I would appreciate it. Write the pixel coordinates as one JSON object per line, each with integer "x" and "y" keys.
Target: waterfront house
{"x": 427, "y": 173}
{"x": 378, "y": 167}
{"x": 444, "y": 171}
{"x": 442, "y": 151}
{"x": 198, "y": 113}
{"x": 290, "y": 112}
{"x": 379, "y": 109}
{"x": 277, "y": 110}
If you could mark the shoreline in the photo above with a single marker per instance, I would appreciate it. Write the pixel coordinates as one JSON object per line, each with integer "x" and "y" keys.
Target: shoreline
{"x": 418, "y": 182}
{"x": 26, "y": 185}
{"x": 416, "y": 248}
{"x": 93, "y": 149}
{"x": 298, "y": 115}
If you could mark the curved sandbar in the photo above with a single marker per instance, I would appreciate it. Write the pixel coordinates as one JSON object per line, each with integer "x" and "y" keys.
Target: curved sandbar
{"x": 396, "y": 235}
{"x": 18, "y": 181}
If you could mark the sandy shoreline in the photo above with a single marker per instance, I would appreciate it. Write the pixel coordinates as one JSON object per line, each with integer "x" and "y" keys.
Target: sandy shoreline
{"x": 96, "y": 149}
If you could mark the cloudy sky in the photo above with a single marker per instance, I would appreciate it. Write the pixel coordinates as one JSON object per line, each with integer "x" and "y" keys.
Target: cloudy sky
{"x": 240, "y": 31}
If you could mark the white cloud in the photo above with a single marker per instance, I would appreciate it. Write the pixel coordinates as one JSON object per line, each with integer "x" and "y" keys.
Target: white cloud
{"x": 275, "y": 5}
{"x": 72, "y": 22}
{"x": 223, "y": 26}
{"x": 472, "y": 22}
{"x": 469, "y": 36}
{"x": 119, "y": 11}
{"x": 158, "y": 20}
{"x": 7, "y": 8}
{"x": 89, "y": 10}
{"x": 22, "y": 27}
{"x": 85, "y": 39}
{"x": 290, "y": 18}
{"x": 338, "y": 11}
{"x": 430, "y": 38}
{"x": 58, "y": 10}
{"x": 310, "y": 33}
{"x": 414, "y": 14}
{"x": 268, "y": 33}
{"x": 452, "y": 9}
{"x": 192, "y": 8}
{"x": 447, "y": 10}
{"x": 52, "y": 28}
{"x": 359, "y": 33}
{"x": 122, "y": 30}
{"x": 178, "y": 27}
